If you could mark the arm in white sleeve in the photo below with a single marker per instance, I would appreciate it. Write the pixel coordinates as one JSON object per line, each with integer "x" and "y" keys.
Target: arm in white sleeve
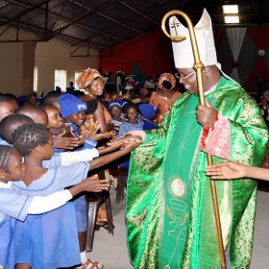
{"x": 47, "y": 203}
{"x": 86, "y": 155}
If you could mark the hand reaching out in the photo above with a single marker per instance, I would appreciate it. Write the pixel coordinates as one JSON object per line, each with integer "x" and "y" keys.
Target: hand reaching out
{"x": 62, "y": 142}
{"x": 128, "y": 138}
{"x": 94, "y": 184}
{"x": 91, "y": 127}
{"x": 229, "y": 170}
{"x": 132, "y": 144}
{"x": 105, "y": 135}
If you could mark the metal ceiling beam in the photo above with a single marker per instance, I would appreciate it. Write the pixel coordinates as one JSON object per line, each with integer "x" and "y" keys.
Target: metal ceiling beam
{"x": 78, "y": 19}
{"x": 40, "y": 30}
{"x": 163, "y": 5}
{"x": 139, "y": 13}
{"x": 105, "y": 16}
{"x": 23, "y": 12}
{"x": 46, "y": 20}
{"x": 66, "y": 20}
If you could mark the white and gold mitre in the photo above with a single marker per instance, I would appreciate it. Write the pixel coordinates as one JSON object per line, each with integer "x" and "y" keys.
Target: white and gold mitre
{"x": 182, "y": 50}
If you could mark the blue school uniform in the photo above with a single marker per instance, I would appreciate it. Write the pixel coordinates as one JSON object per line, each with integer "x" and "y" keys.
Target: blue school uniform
{"x": 127, "y": 127}
{"x": 4, "y": 142}
{"x": 80, "y": 201}
{"x": 12, "y": 206}
{"x": 53, "y": 238}
{"x": 148, "y": 125}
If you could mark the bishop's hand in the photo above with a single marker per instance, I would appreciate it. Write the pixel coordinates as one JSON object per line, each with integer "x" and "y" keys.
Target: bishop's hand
{"x": 206, "y": 115}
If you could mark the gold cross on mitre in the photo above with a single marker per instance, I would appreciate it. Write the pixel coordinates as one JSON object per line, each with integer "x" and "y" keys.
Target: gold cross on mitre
{"x": 175, "y": 25}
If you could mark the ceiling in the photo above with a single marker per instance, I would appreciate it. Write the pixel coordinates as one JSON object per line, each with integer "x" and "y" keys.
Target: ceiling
{"x": 104, "y": 23}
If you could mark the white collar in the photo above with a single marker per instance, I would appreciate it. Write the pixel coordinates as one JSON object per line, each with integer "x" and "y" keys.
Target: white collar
{"x": 211, "y": 89}
{"x": 5, "y": 185}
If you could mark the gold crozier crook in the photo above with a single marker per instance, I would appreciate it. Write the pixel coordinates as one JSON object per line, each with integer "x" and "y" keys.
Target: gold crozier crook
{"x": 198, "y": 66}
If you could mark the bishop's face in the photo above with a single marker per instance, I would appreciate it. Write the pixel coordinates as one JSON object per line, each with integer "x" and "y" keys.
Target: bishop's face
{"x": 187, "y": 77}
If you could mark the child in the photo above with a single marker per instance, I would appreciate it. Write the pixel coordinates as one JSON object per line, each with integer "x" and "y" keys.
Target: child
{"x": 18, "y": 206}
{"x": 147, "y": 112}
{"x": 7, "y": 107}
{"x": 37, "y": 113}
{"x": 232, "y": 170}
{"x": 73, "y": 110}
{"x": 36, "y": 145}
{"x": 116, "y": 113}
{"x": 131, "y": 123}
{"x": 9, "y": 125}
{"x": 54, "y": 118}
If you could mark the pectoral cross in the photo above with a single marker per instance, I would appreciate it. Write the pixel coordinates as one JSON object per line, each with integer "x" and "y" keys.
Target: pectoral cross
{"x": 175, "y": 25}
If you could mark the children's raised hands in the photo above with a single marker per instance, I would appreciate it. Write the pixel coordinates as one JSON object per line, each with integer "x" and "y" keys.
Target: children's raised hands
{"x": 105, "y": 135}
{"x": 91, "y": 127}
{"x": 94, "y": 184}
{"x": 64, "y": 142}
{"x": 132, "y": 143}
{"x": 127, "y": 138}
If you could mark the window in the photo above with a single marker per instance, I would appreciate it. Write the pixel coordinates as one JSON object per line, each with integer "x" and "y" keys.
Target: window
{"x": 77, "y": 74}
{"x": 35, "y": 79}
{"x": 60, "y": 79}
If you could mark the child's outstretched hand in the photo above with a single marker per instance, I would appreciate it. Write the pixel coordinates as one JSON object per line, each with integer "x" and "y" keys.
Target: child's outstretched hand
{"x": 94, "y": 184}
{"x": 82, "y": 138}
{"x": 229, "y": 170}
{"x": 63, "y": 142}
{"x": 91, "y": 129}
{"x": 132, "y": 143}
{"x": 126, "y": 139}
{"x": 105, "y": 135}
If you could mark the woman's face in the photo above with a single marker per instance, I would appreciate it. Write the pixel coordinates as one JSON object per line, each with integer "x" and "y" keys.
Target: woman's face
{"x": 97, "y": 87}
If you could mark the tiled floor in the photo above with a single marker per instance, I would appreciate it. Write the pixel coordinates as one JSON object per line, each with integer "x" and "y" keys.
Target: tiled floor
{"x": 112, "y": 250}
{"x": 260, "y": 257}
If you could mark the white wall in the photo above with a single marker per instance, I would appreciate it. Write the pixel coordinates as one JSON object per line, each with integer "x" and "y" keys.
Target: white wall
{"x": 55, "y": 54}
{"x": 48, "y": 56}
{"x": 12, "y": 63}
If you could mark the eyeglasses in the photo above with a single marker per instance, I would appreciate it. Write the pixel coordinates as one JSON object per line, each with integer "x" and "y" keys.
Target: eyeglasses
{"x": 179, "y": 76}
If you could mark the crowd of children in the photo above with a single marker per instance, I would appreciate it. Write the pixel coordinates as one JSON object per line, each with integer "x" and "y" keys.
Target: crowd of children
{"x": 48, "y": 146}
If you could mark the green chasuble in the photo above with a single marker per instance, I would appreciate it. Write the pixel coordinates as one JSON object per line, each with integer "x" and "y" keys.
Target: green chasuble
{"x": 170, "y": 220}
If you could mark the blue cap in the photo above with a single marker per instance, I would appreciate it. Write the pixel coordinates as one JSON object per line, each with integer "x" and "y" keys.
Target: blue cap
{"x": 147, "y": 111}
{"x": 115, "y": 103}
{"x": 70, "y": 105}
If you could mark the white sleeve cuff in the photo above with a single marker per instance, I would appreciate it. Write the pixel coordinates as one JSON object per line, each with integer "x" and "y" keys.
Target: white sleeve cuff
{"x": 86, "y": 155}
{"x": 44, "y": 204}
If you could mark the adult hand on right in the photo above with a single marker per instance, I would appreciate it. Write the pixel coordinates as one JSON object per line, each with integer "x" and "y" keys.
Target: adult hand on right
{"x": 141, "y": 135}
{"x": 229, "y": 170}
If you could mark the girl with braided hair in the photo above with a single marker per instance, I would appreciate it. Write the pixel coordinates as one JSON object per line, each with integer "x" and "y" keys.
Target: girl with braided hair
{"x": 15, "y": 206}
{"x": 58, "y": 250}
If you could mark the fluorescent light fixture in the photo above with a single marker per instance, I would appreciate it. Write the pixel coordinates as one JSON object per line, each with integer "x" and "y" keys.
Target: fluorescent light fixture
{"x": 231, "y": 19}
{"x": 230, "y": 9}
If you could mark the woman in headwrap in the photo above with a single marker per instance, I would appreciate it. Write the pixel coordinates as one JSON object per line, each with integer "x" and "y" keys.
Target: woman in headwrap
{"x": 93, "y": 83}
{"x": 165, "y": 96}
